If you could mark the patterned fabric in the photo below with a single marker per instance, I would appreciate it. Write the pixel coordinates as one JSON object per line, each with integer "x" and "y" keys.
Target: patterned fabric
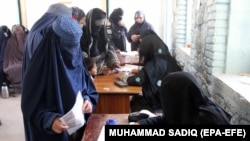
{"x": 69, "y": 32}
{"x": 77, "y": 13}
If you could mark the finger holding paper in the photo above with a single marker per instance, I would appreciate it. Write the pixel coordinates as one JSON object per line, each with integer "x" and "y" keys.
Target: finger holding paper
{"x": 58, "y": 126}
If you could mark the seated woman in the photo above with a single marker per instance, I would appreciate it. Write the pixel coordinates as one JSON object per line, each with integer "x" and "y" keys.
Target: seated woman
{"x": 157, "y": 62}
{"x": 184, "y": 103}
{"x": 13, "y": 57}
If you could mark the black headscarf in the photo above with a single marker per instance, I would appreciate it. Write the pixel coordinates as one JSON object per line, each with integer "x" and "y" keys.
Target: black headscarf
{"x": 156, "y": 64}
{"x": 147, "y": 32}
{"x": 151, "y": 46}
{"x": 94, "y": 39}
{"x": 116, "y": 15}
{"x": 184, "y": 102}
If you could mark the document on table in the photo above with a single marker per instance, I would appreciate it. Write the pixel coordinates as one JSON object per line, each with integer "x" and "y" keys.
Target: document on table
{"x": 124, "y": 69}
{"x": 129, "y": 53}
{"x": 75, "y": 117}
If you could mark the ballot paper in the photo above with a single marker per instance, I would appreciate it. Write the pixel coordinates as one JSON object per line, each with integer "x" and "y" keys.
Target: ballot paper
{"x": 75, "y": 117}
{"x": 124, "y": 69}
{"x": 129, "y": 53}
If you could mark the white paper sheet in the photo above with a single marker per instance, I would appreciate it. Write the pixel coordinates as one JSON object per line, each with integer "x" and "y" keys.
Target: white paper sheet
{"x": 75, "y": 117}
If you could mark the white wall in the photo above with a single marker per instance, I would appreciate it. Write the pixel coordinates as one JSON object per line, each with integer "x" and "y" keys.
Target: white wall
{"x": 238, "y": 38}
{"x": 155, "y": 11}
{"x": 9, "y": 14}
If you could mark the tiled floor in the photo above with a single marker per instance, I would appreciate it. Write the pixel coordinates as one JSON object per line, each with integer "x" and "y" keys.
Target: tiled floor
{"x": 11, "y": 118}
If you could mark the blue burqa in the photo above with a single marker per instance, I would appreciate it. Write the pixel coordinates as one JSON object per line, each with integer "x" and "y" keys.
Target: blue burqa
{"x": 51, "y": 80}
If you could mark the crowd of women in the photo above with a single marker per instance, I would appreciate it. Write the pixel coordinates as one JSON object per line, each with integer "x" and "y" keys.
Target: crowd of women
{"x": 47, "y": 65}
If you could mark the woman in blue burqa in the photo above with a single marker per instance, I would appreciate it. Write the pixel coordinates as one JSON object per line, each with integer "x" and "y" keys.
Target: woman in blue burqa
{"x": 51, "y": 80}
{"x": 37, "y": 31}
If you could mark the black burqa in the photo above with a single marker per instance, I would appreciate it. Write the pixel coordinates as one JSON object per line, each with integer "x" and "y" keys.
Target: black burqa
{"x": 184, "y": 103}
{"x": 157, "y": 62}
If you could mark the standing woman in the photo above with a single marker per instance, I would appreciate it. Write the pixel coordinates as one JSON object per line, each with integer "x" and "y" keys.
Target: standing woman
{"x": 117, "y": 30}
{"x": 53, "y": 78}
{"x": 135, "y": 30}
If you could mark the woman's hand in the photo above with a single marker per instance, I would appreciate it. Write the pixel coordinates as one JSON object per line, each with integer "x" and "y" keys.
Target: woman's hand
{"x": 134, "y": 71}
{"x": 58, "y": 126}
{"x": 87, "y": 107}
{"x": 135, "y": 38}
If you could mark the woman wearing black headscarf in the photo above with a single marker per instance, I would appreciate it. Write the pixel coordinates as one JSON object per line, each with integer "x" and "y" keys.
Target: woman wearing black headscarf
{"x": 5, "y": 34}
{"x": 117, "y": 31}
{"x": 140, "y": 25}
{"x": 157, "y": 62}
{"x": 95, "y": 43}
{"x": 184, "y": 103}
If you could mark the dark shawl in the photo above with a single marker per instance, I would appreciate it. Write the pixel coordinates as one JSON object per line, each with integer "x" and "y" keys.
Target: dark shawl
{"x": 137, "y": 28}
{"x": 95, "y": 43}
{"x": 51, "y": 81}
{"x": 118, "y": 33}
{"x": 13, "y": 57}
{"x": 155, "y": 66}
{"x": 5, "y": 34}
{"x": 184, "y": 103}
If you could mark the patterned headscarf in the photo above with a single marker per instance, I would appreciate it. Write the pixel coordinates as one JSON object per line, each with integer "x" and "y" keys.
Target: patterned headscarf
{"x": 77, "y": 13}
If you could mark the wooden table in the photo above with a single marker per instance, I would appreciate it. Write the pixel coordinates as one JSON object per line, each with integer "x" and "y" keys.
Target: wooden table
{"x": 97, "y": 121}
{"x": 113, "y": 99}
